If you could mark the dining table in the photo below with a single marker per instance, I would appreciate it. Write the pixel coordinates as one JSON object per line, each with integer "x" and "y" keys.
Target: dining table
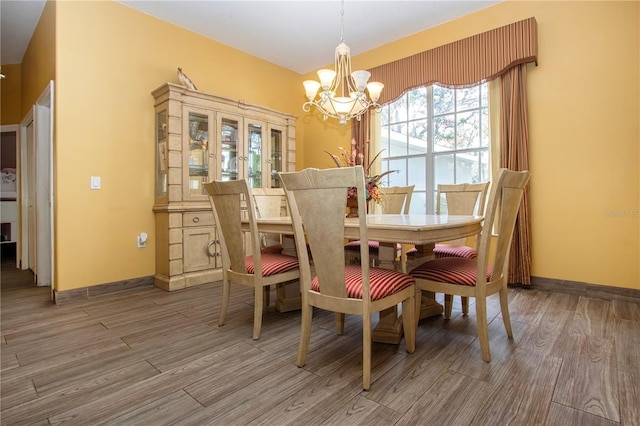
{"x": 409, "y": 230}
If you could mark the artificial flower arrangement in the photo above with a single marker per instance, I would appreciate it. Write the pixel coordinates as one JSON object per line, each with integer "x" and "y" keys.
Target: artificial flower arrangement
{"x": 352, "y": 157}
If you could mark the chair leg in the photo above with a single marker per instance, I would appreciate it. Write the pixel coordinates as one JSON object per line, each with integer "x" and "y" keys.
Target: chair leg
{"x": 409, "y": 323}
{"x": 257, "y": 311}
{"x": 366, "y": 352}
{"x": 267, "y": 295}
{"x": 224, "y": 305}
{"x": 465, "y": 305}
{"x": 448, "y": 305}
{"x": 483, "y": 331}
{"x": 504, "y": 308}
{"x": 339, "y": 323}
{"x": 305, "y": 333}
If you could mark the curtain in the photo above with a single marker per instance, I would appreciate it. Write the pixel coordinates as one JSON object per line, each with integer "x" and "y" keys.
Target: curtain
{"x": 514, "y": 155}
{"x": 501, "y": 52}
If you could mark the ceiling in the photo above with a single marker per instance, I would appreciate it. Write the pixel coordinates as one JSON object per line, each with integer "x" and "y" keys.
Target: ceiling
{"x": 298, "y": 35}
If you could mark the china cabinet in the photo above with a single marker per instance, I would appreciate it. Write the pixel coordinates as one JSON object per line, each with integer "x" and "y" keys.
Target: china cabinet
{"x": 200, "y": 137}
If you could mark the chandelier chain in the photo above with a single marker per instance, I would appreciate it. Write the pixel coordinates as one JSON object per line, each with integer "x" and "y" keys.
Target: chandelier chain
{"x": 342, "y": 22}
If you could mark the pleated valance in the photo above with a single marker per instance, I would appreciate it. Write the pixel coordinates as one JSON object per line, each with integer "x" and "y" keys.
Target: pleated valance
{"x": 465, "y": 62}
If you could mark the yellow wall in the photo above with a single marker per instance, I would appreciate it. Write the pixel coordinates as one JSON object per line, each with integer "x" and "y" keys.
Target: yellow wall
{"x": 584, "y": 132}
{"x": 583, "y": 116}
{"x": 10, "y": 92}
{"x": 110, "y": 58}
{"x": 39, "y": 62}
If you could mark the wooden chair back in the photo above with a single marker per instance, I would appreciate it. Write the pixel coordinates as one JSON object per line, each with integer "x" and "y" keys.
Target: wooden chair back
{"x": 231, "y": 202}
{"x": 396, "y": 199}
{"x": 461, "y": 199}
{"x": 317, "y": 198}
{"x": 501, "y": 212}
{"x": 270, "y": 202}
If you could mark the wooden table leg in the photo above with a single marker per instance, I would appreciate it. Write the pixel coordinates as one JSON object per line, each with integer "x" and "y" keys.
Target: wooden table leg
{"x": 389, "y": 328}
{"x": 288, "y": 294}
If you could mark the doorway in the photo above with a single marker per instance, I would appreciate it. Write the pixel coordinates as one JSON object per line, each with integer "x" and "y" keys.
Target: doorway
{"x": 9, "y": 234}
{"x": 36, "y": 190}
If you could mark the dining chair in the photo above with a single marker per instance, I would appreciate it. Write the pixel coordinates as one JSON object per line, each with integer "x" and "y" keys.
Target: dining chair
{"x": 395, "y": 200}
{"x": 270, "y": 202}
{"x": 459, "y": 199}
{"x": 242, "y": 260}
{"x": 316, "y": 201}
{"x": 487, "y": 273}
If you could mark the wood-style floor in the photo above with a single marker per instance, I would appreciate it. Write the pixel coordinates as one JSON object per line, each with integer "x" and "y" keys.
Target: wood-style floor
{"x": 149, "y": 357}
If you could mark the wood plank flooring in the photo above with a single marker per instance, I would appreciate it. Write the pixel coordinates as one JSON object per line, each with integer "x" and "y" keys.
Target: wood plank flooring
{"x": 149, "y": 357}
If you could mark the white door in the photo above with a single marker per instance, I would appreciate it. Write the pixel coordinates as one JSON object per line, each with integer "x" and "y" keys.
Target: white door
{"x": 32, "y": 225}
{"x": 37, "y": 189}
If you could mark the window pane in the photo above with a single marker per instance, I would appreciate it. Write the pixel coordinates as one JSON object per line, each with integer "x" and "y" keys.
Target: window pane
{"x": 444, "y": 136}
{"x": 399, "y": 178}
{"x": 484, "y": 118}
{"x": 398, "y": 143}
{"x": 418, "y": 203}
{"x": 417, "y": 167}
{"x": 418, "y": 104}
{"x": 467, "y": 98}
{"x": 384, "y": 115}
{"x": 468, "y": 130}
{"x": 442, "y": 100}
{"x": 418, "y": 136}
{"x": 384, "y": 138}
{"x": 467, "y": 167}
{"x": 484, "y": 166}
{"x": 443, "y": 167}
{"x": 398, "y": 110}
{"x": 484, "y": 95}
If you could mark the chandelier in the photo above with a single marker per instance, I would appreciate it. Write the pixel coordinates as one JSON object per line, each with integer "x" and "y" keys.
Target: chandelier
{"x": 352, "y": 102}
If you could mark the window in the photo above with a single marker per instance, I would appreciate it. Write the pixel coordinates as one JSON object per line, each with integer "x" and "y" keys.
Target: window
{"x": 435, "y": 135}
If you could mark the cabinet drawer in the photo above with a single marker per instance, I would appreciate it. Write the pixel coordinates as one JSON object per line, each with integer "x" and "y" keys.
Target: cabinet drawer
{"x": 198, "y": 219}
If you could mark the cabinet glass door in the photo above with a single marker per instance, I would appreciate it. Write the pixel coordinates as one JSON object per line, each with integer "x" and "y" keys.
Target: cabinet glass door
{"x": 229, "y": 149}
{"x": 162, "y": 153}
{"x": 254, "y": 155}
{"x": 275, "y": 157}
{"x": 198, "y": 152}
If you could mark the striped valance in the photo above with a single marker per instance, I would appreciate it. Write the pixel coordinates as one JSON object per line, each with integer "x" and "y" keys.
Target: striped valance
{"x": 465, "y": 62}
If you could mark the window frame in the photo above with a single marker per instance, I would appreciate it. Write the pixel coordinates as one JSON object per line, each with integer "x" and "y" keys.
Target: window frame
{"x": 427, "y": 193}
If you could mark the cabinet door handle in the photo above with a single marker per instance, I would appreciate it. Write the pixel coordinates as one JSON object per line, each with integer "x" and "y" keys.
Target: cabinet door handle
{"x": 196, "y": 219}
{"x": 211, "y": 243}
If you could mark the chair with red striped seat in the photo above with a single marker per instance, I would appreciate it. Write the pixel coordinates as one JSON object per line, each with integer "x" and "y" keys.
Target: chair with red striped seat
{"x": 270, "y": 202}
{"x": 231, "y": 201}
{"x": 487, "y": 273}
{"x": 316, "y": 201}
{"x": 463, "y": 199}
{"x": 395, "y": 200}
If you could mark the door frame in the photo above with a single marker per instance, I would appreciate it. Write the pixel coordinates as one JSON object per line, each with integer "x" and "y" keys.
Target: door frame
{"x": 42, "y": 116}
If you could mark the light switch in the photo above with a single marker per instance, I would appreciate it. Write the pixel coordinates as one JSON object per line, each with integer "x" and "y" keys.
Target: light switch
{"x": 95, "y": 182}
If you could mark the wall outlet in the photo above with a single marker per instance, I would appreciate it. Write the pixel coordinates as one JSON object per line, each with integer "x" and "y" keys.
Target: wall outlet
{"x": 142, "y": 240}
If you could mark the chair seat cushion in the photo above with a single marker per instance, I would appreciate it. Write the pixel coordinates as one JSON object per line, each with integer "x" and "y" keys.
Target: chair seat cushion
{"x": 451, "y": 250}
{"x": 374, "y": 246}
{"x": 272, "y": 263}
{"x": 384, "y": 282}
{"x": 455, "y": 270}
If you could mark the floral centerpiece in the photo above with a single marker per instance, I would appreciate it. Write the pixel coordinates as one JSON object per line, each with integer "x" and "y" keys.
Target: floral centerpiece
{"x": 355, "y": 157}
